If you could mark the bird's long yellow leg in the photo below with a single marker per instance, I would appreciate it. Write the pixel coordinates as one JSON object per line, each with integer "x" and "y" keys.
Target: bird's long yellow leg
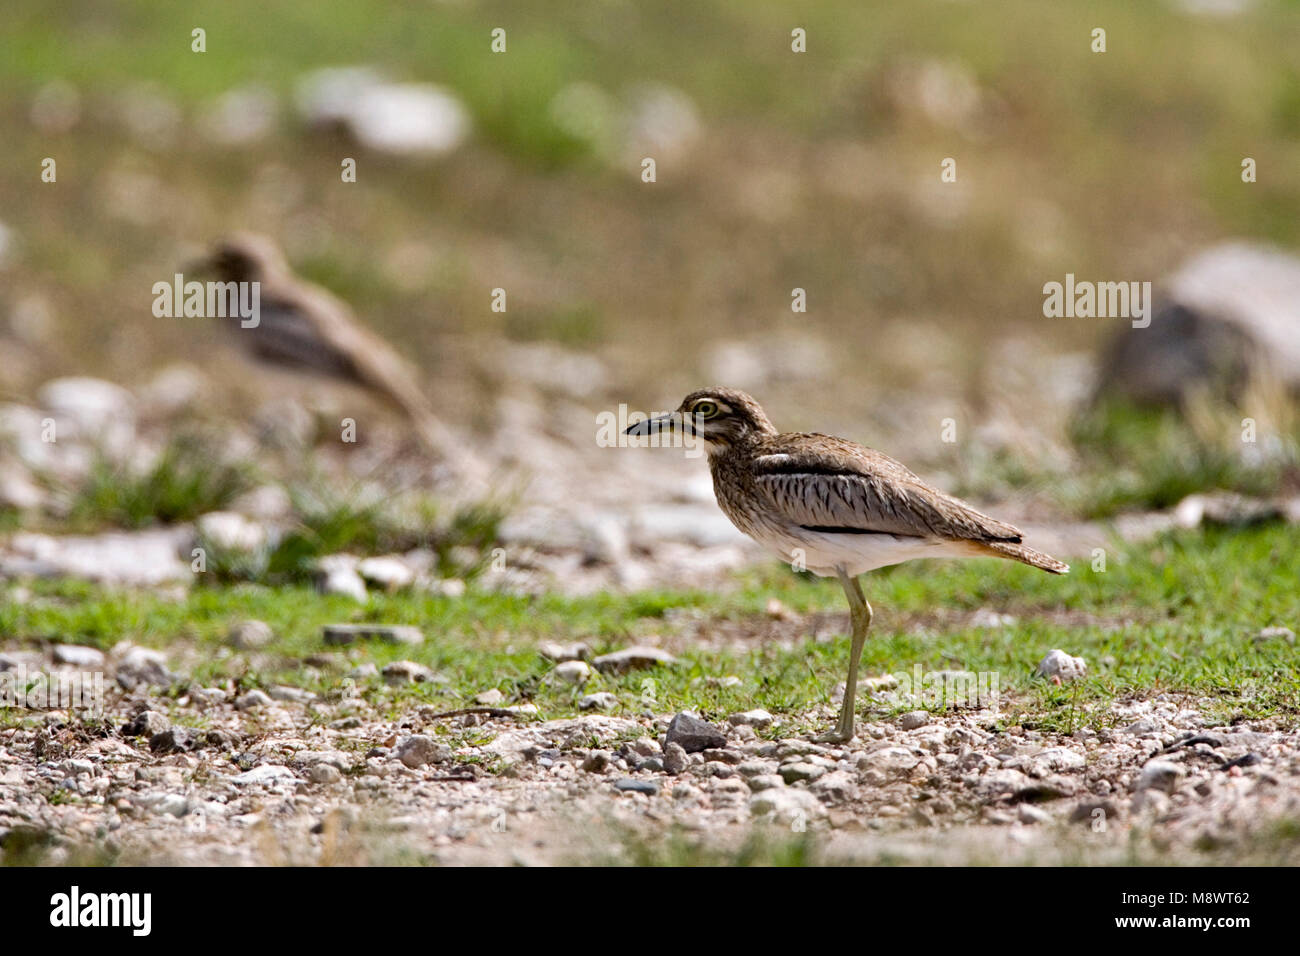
{"x": 860, "y": 615}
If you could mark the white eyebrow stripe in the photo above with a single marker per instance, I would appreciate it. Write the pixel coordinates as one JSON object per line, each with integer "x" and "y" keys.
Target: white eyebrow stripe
{"x": 771, "y": 459}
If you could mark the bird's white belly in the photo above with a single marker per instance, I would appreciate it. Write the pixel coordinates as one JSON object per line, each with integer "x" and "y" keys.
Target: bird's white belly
{"x": 821, "y": 552}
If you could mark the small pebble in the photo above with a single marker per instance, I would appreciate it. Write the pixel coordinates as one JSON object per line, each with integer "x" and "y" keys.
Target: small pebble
{"x": 1159, "y": 775}
{"x": 1061, "y": 665}
{"x": 693, "y": 734}
{"x": 914, "y": 719}
{"x": 419, "y": 749}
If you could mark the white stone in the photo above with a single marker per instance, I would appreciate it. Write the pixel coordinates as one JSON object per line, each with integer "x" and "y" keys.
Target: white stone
{"x": 17, "y": 490}
{"x": 291, "y": 695}
{"x": 265, "y": 774}
{"x": 78, "y": 655}
{"x": 324, "y": 773}
{"x": 1057, "y": 759}
{"x": 409, "y": 118}
{"x": 342, "y": 581}
{"x": 417, "y": 750}
{"x": 1159, "y": 775}
{"x": 632, "y": 658}
{"x": 231, "y": 531}
{"x": 389, "y": 572}
{"x": 1060, "y": 664}
{"x": 559, "y": 653}
{"x": 576, "y": 673}
{"x": 253, "y": 700}
{"x": 406, "y": 672}
{"x": 788, "y": 805}
{"x": 250, "y": 635}
{"x": 751, "y": 718}
{"x": 92, "y": 410}
{"x": 149, "y": 557}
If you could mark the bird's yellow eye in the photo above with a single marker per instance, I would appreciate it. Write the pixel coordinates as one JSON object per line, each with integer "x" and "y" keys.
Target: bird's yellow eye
{"x": 705, "y": 409}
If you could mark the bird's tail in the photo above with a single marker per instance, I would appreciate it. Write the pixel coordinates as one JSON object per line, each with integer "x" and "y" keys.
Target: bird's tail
{"x": 1026, "y": 555}
{"x": 450, "y": 444}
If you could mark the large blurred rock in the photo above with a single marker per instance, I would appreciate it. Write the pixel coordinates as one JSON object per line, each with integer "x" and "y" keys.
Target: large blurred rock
{"x": 93, "y": 411}
{"x": 329, "y": 96}
{"x": 146, "y": 558}
{"x": 21, "y": 428}
{"x": 408, "y": 118}
{"x": 231, "y": 531}
{"x": 1227, "y": 319}
{"x": 17, "y": 489}
{"x": 78, "y": 420}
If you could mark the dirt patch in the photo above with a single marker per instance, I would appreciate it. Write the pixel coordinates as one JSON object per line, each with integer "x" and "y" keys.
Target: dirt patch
{"x": 208, "y": 780}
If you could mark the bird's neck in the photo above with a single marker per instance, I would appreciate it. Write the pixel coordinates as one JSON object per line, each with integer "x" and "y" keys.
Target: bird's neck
{"x": 732, "y": 449}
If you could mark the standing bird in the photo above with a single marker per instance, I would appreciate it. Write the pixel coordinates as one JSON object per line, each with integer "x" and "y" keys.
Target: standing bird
{"x": 831, "y": 506}
{"x": 303, "y": 326}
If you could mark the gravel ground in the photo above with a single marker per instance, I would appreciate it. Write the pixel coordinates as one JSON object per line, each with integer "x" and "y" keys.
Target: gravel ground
{"x": 279, "y": 778}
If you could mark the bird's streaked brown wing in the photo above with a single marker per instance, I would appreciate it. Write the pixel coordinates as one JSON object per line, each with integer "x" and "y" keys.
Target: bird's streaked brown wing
{"x": 374, "y": 363}
{"x": 286, "y": 334}
{"x": 305, "y": 326}
{"x": 378, "y": 366}
{"x": 825, "y": 483}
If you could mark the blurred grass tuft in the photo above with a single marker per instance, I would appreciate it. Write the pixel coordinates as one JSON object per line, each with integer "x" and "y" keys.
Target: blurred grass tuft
{"x": 186, "y": 480}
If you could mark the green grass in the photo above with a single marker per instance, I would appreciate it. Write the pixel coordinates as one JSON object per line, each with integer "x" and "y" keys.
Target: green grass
{"x": 187, "y": 480}
{"x": 326, "y": 522}
{"x": 1153, "y": 458}
{"x": 1126, "y": 458}
{"x": 1177, "y": 616}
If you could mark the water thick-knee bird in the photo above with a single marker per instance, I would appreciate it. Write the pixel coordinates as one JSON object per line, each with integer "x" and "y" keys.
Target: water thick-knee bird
{"x": 305, "y": 327}
{"x": 831, "y": 506}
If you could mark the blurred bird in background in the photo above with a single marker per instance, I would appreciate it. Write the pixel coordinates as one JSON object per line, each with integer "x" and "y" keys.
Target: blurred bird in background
{"x": 302, "y": 326}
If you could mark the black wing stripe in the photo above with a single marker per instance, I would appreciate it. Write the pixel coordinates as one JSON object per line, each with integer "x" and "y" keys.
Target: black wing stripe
{"x": 795, "y": 467}
{"x": 836, "y": 529}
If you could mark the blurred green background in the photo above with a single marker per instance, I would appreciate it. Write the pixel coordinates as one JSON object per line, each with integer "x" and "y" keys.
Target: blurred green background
{"x": 775, "y": 171}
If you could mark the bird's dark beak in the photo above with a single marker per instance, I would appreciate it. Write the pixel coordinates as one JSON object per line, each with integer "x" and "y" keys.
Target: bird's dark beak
{"x": 653, "y": 426}
{"x": 672, "y": 422}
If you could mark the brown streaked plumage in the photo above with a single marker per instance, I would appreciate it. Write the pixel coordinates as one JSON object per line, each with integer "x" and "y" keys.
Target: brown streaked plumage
{"x": 832, "y": 506}
{"x": 303, "y": 326}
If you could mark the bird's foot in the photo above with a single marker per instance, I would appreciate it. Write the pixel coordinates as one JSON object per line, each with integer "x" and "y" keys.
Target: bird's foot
{"x": 837, "y": 736}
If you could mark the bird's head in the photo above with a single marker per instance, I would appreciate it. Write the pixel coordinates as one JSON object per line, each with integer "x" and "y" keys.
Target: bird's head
{"x": 245, "y": 257}
{"x": 720, "y": 417}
